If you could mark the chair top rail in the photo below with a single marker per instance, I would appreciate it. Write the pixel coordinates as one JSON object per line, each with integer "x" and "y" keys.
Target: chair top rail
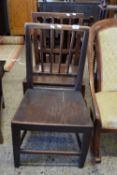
{"x": 57, "y": 14}
{"x": 74, "y": 27}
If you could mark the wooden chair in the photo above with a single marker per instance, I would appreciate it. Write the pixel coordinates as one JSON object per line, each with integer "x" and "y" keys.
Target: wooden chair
{"x": 103, "y": 81}
{"x": 53, "y": 108}
{"x": 59, "y": 18}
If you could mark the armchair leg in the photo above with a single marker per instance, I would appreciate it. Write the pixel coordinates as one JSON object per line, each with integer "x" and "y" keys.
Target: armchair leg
{"x": 96, "y": 145}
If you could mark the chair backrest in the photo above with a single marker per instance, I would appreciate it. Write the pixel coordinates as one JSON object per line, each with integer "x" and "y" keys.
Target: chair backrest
{"x": 103, "y": 36}
{"x": 90, "y": 8}
{"x": 59, "y": 18}
{"x": 54, "y": 18}
{"x": 51, "y": 51}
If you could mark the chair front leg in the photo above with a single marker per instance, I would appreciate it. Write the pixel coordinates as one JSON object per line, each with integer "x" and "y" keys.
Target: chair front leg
{"x": 16, "y": 145}
{"x": 85, "y": 146}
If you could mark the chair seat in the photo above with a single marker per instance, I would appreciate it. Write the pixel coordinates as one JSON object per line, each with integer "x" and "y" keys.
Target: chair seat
{"x": 52, "y": 108}
{"x": 107, "y": 102}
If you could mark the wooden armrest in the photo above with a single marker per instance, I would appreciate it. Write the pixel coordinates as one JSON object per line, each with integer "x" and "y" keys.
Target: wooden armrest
{"x": 90, "y": 56}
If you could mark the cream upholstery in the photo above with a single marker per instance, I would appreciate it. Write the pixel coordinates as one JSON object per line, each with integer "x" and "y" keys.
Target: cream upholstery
{"x": 107, "y": 102}
{"x": 108, "y": 43}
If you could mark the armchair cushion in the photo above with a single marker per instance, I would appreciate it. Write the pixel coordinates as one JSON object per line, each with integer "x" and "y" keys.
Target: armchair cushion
{"x": 108, "y": 52}
{"x": 107, "y": 103}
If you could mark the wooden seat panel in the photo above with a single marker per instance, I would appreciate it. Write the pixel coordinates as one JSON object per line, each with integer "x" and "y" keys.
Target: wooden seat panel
{"x": 51, "y": 107}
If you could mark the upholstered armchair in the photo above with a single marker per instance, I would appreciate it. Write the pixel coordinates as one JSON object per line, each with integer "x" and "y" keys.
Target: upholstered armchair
{"x": 102, "y": 60}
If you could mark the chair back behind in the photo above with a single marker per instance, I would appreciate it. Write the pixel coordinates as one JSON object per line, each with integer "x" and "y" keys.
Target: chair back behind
{"x": 55, "y": 18}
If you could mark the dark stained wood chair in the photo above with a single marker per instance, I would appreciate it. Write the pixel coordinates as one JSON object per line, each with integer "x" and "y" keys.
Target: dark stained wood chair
{"x": 58, "y": 18}
{"x": 103, "y": 81}
{"x": 53, "y": 109}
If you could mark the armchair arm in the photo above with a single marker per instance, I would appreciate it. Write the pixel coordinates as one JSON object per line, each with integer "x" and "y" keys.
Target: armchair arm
{"x": 90, "y": 56}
